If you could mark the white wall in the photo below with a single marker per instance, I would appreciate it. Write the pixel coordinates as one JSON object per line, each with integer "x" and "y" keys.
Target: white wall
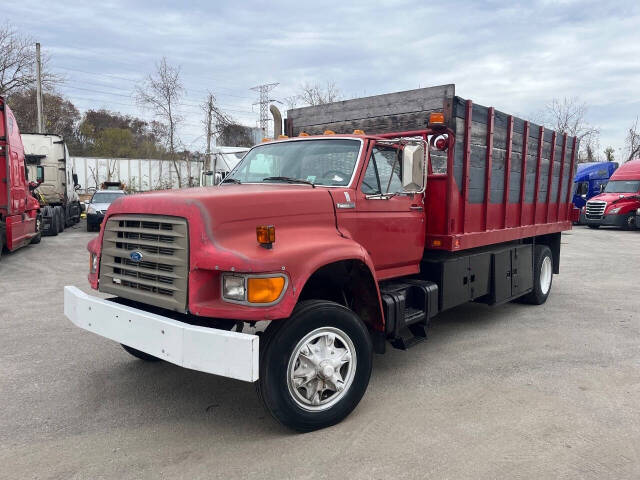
{"x": 138, "y": 174}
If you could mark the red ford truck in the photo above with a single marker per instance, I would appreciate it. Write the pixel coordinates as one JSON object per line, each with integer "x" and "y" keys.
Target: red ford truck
{"x": 350, "y": 233}
{"x": 20, "y": 218}
{"x": 618, "y": 204}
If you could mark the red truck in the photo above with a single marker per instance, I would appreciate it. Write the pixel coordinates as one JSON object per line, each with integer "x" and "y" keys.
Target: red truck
{"x": 354, "y": 230}
{"x": 20, "y": 217}
{"x": 619, "y": 204}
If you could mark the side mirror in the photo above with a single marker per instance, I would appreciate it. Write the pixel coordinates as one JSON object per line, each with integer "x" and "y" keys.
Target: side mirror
{"x": 413, "y": 168}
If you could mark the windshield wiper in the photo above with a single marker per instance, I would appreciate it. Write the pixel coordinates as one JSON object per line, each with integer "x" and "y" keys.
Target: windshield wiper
{"x": 230, "y": 180}
{"x": 289, "y": 180}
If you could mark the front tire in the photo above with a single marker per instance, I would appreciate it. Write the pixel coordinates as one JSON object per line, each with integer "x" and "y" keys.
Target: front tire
{"x": 542, "y": 276}
{"x": 315, "y": 366}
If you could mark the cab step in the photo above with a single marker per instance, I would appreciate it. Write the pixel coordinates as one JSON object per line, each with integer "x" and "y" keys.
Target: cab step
{"x": 408, "y": 307}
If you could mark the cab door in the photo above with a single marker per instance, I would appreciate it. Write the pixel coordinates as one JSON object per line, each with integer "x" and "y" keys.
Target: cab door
{"x": 388, "y": 223}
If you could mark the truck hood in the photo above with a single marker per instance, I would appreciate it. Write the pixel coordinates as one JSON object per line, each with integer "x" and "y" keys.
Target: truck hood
{"x": 614, "y": 197}
{"x": 222, "y": 220}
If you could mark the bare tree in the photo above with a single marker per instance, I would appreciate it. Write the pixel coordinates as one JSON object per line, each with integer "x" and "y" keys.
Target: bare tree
{"x": 111, "y": 167}
{"x": 568, "y": 116}
{"x": 161, "y": 92}
{"x": 632, "y": 142}
{"x": 291, "y": 101}
{"x": 17, "y": 63}
{"x": 316, "y": 94}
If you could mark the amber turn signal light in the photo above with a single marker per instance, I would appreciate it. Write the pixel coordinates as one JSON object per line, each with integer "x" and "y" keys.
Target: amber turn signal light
{"x": 436, "y": 118}
{"x": 264, "y": 290}
{"x": 329, "y": 132}
{"x": 266, "y": 235}
{"x": 303, "y": 134}
{"x": 358, "y": 132}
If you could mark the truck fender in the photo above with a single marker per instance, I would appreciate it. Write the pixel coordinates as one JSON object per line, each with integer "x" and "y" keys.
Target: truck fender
{"x": 368, "y": 303}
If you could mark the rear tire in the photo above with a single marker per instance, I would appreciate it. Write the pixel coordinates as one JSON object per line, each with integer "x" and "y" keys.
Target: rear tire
{"x": 314, "y": 366}
{"x": 542, "y": 276}
{"x": 141, "y": 355}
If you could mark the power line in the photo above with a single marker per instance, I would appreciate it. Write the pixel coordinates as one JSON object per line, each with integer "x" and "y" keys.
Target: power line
{"x": 230, "y": 108}
{"x": 138, "y": 80}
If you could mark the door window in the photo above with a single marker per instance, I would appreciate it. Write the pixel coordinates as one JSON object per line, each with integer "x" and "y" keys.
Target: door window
{"x": 383, "y": 174}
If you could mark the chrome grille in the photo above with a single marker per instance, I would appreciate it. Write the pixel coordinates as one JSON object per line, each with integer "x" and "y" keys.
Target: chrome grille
{"x": 595, "y": 209}
{"x": 159, "y": 277}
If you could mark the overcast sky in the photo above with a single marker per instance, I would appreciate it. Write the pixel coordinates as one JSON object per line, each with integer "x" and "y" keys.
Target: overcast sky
{"x": 515, "y": 56}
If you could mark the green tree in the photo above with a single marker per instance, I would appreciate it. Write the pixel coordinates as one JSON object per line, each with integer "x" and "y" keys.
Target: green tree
{"x": 608, "y": 154}
{"x": 60, "y": 114}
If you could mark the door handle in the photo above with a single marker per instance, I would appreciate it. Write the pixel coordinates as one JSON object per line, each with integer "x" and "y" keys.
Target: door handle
{"x": 418, "y": 208}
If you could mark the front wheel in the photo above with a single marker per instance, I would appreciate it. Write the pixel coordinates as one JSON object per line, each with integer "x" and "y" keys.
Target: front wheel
{"x": 315, "y": 366}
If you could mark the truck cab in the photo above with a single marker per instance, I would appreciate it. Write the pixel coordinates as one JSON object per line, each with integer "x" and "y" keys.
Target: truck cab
{"x": 616, "y": 206}
{"x": 49, "y": 164}
{"x": 590, "y": 180}
{"x": 20, "y": 218}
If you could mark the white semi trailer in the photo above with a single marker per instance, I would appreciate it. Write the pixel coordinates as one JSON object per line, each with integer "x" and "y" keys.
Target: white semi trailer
{"x": 48, "y": 165}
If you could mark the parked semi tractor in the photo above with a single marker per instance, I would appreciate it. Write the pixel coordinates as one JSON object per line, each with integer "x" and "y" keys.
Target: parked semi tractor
{"x": 617, "y": 205}
{"x": 48, "y": 163}
{"x": 590, "y": 180}
{"x": 342, "y": 237}
{"x": 20, "y": 218}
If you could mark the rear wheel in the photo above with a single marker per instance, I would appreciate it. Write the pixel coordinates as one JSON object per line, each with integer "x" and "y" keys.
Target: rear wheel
{"x": 141, "y": 355}
{"x": 315, "y": 366}
{"x": 542, "y": 276}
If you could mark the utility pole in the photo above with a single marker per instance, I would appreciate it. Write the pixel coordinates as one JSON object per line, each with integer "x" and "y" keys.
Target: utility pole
{"x": 209, "y": 112}
{"x": 263, "y": 100}
{"x": 40, "y": 117}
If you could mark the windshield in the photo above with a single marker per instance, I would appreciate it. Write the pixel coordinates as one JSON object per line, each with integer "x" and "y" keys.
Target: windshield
{"x": 106, "y": 197}
{"x": 322, "y": 162}
{"x": 623, "y": 186}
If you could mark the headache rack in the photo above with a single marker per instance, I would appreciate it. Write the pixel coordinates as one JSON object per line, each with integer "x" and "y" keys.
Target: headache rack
{"x": 146, "y": 258}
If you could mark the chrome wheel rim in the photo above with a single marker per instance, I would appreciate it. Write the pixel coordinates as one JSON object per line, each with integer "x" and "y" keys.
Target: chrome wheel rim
{"x": 545, "y": 275}
{"x": 321, "y": 369}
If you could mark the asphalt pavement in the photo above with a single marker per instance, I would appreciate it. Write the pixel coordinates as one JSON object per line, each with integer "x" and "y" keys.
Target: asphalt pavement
{"x": 514, "y": 391}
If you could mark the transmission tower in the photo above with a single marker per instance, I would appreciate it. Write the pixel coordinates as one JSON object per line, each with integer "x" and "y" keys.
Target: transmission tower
{"x": 263, "y": 101}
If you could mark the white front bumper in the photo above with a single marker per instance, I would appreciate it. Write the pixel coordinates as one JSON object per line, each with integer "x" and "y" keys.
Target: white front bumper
{"x": 229, "y": 354}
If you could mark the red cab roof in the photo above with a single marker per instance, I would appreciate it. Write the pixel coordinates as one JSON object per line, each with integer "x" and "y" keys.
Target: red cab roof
{"x": 627, "y": 171}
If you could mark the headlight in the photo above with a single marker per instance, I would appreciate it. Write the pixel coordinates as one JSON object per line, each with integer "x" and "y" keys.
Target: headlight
{"x": 233, "y": 288}
{"x": 91, "y": 209}
{"x": 93, "y": 263}
{"x": 613, "y": 211}
{"x": 253, "y": 289}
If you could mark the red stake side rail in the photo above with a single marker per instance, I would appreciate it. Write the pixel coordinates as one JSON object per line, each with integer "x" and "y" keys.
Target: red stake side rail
{"x": 459, "y": 218}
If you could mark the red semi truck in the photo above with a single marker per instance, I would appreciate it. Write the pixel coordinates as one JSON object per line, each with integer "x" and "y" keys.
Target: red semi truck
{"x": 353, "y": 231}
{"x": 619, "y": 204}
{"x": 20, "y": 217}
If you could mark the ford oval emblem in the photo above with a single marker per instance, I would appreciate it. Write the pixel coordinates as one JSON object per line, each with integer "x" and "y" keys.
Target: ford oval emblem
{"x": 135, "y": 256}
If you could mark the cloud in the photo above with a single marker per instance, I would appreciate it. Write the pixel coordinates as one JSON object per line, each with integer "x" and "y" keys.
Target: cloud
{"x": 516, "y": 56}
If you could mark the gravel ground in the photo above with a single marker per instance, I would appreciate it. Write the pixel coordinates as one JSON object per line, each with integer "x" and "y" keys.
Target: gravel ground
{"x": 514, "y": 391}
